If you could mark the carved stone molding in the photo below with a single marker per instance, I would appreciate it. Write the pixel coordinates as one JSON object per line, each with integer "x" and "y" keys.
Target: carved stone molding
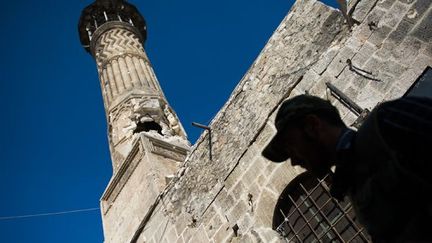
{"x": 168, "y": 149}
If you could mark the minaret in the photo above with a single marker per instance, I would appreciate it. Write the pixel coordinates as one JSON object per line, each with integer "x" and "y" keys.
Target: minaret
{"x": 138, "y": 115}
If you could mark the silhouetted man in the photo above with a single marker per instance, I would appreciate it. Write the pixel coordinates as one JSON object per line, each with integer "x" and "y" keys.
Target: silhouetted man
{"x": 384, "y": 168}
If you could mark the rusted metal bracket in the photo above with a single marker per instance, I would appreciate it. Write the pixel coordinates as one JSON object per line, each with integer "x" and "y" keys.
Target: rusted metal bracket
{"x": 350, "y": 104}
{"x": 210, "y": 137}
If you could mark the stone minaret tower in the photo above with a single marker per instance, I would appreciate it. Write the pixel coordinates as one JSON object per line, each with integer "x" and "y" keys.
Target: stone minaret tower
{"x": 146, "y": 138}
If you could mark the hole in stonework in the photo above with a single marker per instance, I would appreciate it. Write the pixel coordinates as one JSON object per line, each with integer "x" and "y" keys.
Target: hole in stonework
{"x": 148, "y": 126}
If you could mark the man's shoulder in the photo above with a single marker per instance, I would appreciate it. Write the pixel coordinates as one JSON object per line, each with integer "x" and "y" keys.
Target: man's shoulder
{"x": 405, "y": 118}
{"x": 405, "y": 107}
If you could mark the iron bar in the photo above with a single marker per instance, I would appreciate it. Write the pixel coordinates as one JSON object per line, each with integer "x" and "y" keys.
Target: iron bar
{"x": 302, "y": 215}
{"x": 323, "y": 215}
{"x": 105, "y": 15}
{"x": 344, "y": 99}
{"x": 312, "y": 191}
{"x": 347, "y": 216}
{"x": 195, "y": 124}
{"x": 308, "y": 196}
{"x": 332, "y": 225}
{"x": 291, "y": 227}
{"x": 356, "y": 234}
{"x": 200, "y": 126}
{"x": 315, "y": 213}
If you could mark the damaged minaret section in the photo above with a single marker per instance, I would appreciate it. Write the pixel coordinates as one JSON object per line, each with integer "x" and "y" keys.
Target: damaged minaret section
{"x": 114, "y": 33}
{"x": 146, "y": 138}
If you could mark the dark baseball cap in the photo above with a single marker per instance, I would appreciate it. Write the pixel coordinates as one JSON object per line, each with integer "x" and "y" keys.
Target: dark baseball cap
{"x": 290, "y": 111}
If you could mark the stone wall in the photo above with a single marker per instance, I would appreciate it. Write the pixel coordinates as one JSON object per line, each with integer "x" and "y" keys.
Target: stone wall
{"x": 379, "y": 59}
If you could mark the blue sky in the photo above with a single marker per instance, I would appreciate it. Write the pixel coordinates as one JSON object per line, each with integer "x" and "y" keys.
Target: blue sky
{"x": 53, "y": 148}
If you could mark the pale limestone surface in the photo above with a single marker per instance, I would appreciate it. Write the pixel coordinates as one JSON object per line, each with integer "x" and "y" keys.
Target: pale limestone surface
{"x": 206, "y": 198}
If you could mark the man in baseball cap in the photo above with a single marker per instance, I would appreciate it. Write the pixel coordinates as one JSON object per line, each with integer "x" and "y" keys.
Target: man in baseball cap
{"x": 308, "y": 130}
{"x": 384, "y": 167}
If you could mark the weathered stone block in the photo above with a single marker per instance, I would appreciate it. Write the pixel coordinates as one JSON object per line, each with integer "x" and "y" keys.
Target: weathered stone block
{"x": 214, "y": 224}
{"x": 344, "y": 79}
{"x": 373, "y": 20}
{"x": 379, "y": 35}
{"x": 171, "y": 235}
{"x": 423, "y": 30}
{"x": 362, "y": 9}
{"x": 406, "y": 1}
{"x": 245, "y": 223}
{"x": 421, "y": 6}
{"x": 420, "y": 63}
{"x": 254, "y": 170}
{"x": 360, "y": 58}
{"x": 264, "y": 137}
{"x": 385, "y": 4}
{"x": 392, "y": 68}
{"x": 224, "y": 201}
{"x": 407, "y": 51}
{"x": 199, "y": 236}
{"x": 394, "y": 92}
{"x": 407, "y": 79}
{"x": 371, "y": 67}
{"x": 320, "y": 88}
{"x": 358, "y": 81}
{"x": 238, "y": 190}
{"x": 181, "y": 223}
{"x": 322, "y": 64}
{"x": 281, "y": 177}
{"x": 265, "y": 207}
{"x": 384, "y": 83}
{"x": 427, "y": 49}
{"x": 368, "y": 98}
{"x": 394, "y": 15}
{"x": 340, "y": 62}
{"x": 223, "y": 233}
{"x": 253, "y": 189}
{"x": 238, "y": 211}
{"x": 309, "y": 79}
{"x": 209, "y": 214}
{"x": 386, "y": 49}
{"x": 398, "y": 35}
{"x": 180, "y": 240}
{"x": 241, "y": 167}
{"x": 351, "y": 92}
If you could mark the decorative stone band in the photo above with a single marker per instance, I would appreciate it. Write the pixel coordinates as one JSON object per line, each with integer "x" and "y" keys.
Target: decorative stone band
{"x": 109, "y": 26}
{"x": 122, "y": 62}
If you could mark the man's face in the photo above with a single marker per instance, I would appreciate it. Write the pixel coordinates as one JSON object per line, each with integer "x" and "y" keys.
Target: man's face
{"x": 306, "y": 149}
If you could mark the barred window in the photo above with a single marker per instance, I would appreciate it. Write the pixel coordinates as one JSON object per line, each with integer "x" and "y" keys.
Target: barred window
{"x": 305, "y": 212}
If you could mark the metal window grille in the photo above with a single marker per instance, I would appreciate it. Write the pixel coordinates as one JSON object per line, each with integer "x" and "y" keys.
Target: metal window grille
{"x": 309, "y": 214}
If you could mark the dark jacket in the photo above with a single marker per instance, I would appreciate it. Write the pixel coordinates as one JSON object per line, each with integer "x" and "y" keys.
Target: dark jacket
{"x": 386, "y": 172}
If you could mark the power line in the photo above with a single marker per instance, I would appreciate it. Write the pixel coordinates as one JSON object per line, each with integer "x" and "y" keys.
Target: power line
{"x": 48, "y": 214}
